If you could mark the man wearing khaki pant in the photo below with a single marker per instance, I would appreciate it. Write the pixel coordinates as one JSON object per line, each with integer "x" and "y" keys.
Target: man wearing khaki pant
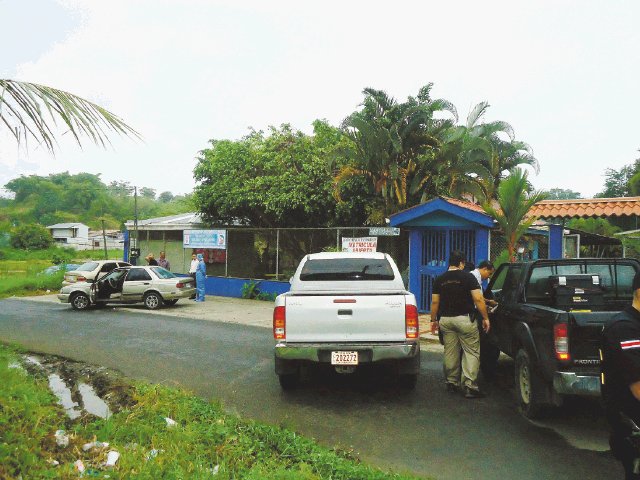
{"x": 455, "y": 293}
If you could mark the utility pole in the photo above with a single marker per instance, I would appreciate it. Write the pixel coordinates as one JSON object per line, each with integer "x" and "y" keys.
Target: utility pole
{"x": 135, "y": 220}
{"x": 104, "y": 239}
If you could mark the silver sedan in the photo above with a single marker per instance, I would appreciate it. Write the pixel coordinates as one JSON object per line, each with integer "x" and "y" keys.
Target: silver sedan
{"x": 154, "y": 286}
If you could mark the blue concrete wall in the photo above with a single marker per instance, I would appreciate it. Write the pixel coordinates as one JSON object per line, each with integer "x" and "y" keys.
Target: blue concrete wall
{"x": 232, "y": 287}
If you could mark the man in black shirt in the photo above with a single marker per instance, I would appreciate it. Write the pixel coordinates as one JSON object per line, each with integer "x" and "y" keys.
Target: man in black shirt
{"x": 455, "y": 293}
{"x": 620, "y": 355}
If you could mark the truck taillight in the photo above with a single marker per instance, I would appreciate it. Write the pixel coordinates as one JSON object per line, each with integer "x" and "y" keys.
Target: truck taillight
{"x": 411, "y": 321}
{"x": 279, "y": 323}
{"x": 561, "y": 341}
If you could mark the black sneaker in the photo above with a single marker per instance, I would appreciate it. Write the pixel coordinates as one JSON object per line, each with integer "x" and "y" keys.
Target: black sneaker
{"x": 473, "y": 393}
{"x": 451, "y": 388}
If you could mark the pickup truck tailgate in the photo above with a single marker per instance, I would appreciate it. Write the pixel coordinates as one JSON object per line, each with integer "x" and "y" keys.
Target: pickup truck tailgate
{"x": 331, "y": 318}
{"x": 586, "y": 334}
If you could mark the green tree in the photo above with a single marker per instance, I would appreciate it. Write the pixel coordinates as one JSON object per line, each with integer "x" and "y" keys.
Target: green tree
{"x": 618, "y": 183}
{"x": 166, "y": 197}
{"x": 29, "y": 110}
{"x": 390, "y": 141}
{"x": 515, "y": 198}
{"x": 147, "y": 192}
{"x": 31, "y": 237}
{"x": 278, "y": 180}
{"x": 561, "y": 194}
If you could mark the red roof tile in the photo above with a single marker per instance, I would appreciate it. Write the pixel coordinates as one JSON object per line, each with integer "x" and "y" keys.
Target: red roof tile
{"x": 587, "y": 207}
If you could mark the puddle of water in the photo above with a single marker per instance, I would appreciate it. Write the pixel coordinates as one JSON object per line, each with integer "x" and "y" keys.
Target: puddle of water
{"x": 92, "y": 403}
{"x": 60, "y": 390}
{"x": 33, "y": 361}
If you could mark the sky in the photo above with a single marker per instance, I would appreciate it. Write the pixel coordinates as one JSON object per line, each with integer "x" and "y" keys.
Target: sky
{"x": 564, "y": 74}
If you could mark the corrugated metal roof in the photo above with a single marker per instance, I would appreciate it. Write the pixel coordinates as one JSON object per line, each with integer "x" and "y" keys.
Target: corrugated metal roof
{"x": 67, "y": 225}
{"x": 587, "y": 207}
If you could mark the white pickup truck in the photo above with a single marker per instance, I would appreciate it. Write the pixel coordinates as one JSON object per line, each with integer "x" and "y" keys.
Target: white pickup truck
{"x": 346, "y": 310}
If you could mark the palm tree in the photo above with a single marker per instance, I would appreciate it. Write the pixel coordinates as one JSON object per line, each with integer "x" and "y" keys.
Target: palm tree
{"x": 515, "y": 198}
{"x": 27, "y": 109}
{"x": 389, "y": 141}
{"x": 488, "y": 151}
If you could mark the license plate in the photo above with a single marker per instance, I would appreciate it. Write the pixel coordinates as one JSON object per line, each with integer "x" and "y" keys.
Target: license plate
{"x": 344, "y": 358}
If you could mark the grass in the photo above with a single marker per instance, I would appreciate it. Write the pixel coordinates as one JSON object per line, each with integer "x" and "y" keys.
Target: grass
{"x": 205, "y": 439}
{"x": 20, "y": 269}
{"x": 30, "y": 285}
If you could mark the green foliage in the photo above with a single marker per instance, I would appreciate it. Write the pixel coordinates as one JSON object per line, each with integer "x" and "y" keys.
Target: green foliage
{"x": 561, "y": 194}
{"x": 251, "y": 291}
{"x": 618, "y": 183}
{"x": 84, "y": 198}
{"x": 599, "y": 226}
{"x": 503, "y": 257}
{"x": 25, "y": 107}
{"x": 204, "y": 438}
{"x": 31, "y": 237}
{"x": 515, "y": 198}
{"x": 30, "y": 284}
{"x": 279, "y": 180}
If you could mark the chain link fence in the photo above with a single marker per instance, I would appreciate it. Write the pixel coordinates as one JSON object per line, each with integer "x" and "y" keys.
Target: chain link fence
{"x": 271, "y": 254}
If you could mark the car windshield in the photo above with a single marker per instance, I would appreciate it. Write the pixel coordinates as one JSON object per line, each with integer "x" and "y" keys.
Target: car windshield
{"x": 337, "y": 269}
{"x": 87, "y": 267}
{"x": 162, "y": 272}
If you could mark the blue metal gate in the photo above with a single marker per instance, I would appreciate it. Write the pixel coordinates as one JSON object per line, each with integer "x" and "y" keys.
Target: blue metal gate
{"x": 437, "y": 245}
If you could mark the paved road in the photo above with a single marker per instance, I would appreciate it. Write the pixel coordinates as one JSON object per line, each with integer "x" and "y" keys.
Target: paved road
{"x": 427, "y": 431}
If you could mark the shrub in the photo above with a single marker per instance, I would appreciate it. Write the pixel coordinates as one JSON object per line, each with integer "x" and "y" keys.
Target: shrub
{"x": 31, "y": 237}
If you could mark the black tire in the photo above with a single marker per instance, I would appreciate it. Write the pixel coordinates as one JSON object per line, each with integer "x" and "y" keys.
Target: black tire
{"x": 489, "y": 355}
{"x": 408, "y": 382}
{"x": 169, "y": 303}
{"x": 80, "y": 301}
{"x": 289, "y": 381}
{"x": 529, "y": 386}
{"x": 152, "y": 300}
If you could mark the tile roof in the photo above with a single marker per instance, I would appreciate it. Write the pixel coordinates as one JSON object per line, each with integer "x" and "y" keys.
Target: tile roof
{"x": 587, "y": 207}
{"x": 464, "y": 204}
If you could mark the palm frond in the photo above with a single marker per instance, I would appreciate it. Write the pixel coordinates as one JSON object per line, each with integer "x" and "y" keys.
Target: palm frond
{"x": 30, "y": 110}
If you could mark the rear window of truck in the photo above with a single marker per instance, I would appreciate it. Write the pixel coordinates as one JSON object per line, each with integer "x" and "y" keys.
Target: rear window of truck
{"x": 615, "y": 279}
{"x": 347, "y": 269}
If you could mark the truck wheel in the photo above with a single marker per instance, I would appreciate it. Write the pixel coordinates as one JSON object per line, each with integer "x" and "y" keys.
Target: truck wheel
{"x": 80, "y": 301}
{"x": 489, "y": 355}
{"x": 408, "y": 382}
{"x": 152, "y": 300}
{"x": 289, "y": 381}
{"x": 529, "y": 386}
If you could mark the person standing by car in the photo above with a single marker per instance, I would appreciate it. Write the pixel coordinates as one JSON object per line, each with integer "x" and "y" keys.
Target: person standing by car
{"x": 620, "y": 354}
{"x": 455, "y": 293}
{"x": 201, "y": 276}
{"x": 151, "y": 261}
{"x": 488, "y": 352}
{"x": 192, "y": 271}
{"x": 163, "y": 262}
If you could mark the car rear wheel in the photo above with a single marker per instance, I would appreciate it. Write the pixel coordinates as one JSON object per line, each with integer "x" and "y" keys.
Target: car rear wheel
{"x": 529, "y": 386}
{"x": 169, "y": 303}
{"x": 152, "y": 300}
{"x": 289, "y": 381}
{"x": 80, "y": 301}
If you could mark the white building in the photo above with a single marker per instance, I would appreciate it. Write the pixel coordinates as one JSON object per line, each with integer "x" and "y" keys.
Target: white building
{"x": 114, "y": 239}
{"x": 74, "y": 235}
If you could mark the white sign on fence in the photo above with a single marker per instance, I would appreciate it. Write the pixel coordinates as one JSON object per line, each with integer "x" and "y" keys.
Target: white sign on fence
{"x": 361, "y": 244}
{"x": 205, "y": 239}
{"x": 384, "y": 231}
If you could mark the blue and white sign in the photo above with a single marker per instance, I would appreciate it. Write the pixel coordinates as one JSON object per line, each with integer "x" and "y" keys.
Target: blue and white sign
{"x": 205, "y": 239}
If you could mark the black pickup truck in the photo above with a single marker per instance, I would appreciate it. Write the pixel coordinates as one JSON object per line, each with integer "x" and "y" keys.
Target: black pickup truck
{"x": 549, "y": 320}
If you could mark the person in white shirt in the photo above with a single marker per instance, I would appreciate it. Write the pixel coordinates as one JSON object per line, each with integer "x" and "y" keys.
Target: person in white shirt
{"x": 192, "y": 270}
